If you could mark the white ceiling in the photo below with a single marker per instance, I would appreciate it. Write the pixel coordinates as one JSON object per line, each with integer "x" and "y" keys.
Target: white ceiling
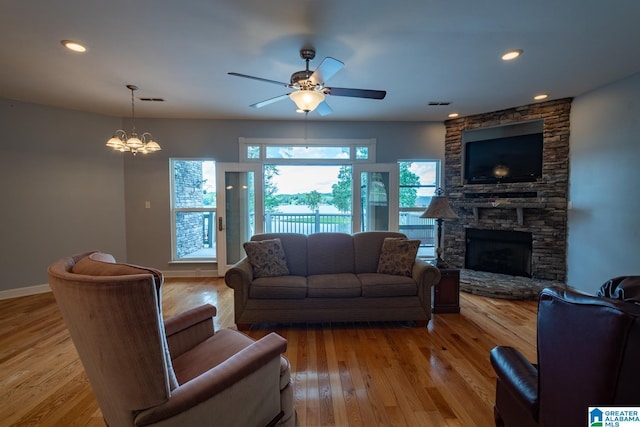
{"x": 417, "y": 50}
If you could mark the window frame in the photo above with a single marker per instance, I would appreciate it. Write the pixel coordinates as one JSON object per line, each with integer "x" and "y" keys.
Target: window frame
{"x": 263, "y": 143}
{"x": 174, "y": 211}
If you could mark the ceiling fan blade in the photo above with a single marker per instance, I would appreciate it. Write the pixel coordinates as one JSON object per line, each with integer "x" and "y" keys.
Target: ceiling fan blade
{"x": 269, "y": 101}
{"x": 327, "y": 68}
{"x": 324, "y": 109}
{"x": 355, "y": 93}
{"x": 260, "y": 79}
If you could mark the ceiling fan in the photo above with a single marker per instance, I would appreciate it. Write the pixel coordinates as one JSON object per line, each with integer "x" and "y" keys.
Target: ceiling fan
{"x": 308, "y": 87}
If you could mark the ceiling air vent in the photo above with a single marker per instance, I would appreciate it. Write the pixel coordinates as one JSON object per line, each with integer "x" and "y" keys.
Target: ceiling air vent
{"x": 152, "y": 99}
{"x": 437, "y": 103}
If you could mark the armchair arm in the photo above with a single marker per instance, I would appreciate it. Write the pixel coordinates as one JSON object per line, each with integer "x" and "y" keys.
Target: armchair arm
{"x": 517, "y": 375}
{"x": 188, "y": 329}
{"x": 217, "y": 379}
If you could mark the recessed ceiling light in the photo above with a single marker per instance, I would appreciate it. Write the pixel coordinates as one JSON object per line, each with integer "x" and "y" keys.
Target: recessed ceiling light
{"x": 511, "y": 55}
{"x": 541, "y": 97}
{"x": 74, "y": 46}
{"x": 453, "y": 115}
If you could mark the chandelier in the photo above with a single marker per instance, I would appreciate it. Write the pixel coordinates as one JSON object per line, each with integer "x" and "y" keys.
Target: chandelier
{"x": 122, "y": 142}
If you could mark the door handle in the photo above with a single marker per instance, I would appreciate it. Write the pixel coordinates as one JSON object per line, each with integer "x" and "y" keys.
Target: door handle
{"x": 220, "y": 223}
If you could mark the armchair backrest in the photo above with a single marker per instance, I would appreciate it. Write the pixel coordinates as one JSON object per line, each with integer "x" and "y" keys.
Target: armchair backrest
{"x": 114, "y": 317}
{"x": 588, "y": 352}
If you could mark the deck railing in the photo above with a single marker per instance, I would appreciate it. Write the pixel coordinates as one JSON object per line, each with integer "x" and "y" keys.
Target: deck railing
{"x": 411, "y": 225}
{"x": 307, "y": 223}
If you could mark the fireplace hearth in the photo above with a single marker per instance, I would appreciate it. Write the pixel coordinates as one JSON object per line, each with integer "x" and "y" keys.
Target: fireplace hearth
{"x": 499, "y": 251}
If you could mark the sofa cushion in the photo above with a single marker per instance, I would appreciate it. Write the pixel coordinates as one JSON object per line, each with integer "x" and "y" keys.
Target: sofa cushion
{"x": 397, "y": 256}
{"x": 330, "y": 253}
{"x": 387, "y": 285}
{"x": 267, "y": 258}
{"x": 333, "y": 285}
{"x": 282, "y": 287}
{"x": 367, "y": 246}
{"x": 295, "y": 249}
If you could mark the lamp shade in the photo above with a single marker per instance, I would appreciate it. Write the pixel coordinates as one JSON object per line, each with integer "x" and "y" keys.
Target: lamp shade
{"x": 152, "y": 146}
{"x": 115, "y": 142}
{"x": 439, "y": 208}
{"x": 307, "y": 100}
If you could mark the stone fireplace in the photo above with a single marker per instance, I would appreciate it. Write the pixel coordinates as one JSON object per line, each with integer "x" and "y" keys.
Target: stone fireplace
{"x": 538, "y": 209}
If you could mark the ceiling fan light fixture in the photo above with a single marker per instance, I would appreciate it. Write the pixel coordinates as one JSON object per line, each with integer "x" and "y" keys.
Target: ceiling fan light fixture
{"x": 306, "y": 100}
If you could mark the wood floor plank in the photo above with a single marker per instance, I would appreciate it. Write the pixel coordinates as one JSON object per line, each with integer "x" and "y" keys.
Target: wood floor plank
{"x": 344, "y": 374}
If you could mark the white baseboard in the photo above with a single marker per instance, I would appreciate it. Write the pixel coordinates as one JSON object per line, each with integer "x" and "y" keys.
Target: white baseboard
{"x": 40, "y": 289}
{"x": 21, "y": 292}
{"x": 190, "y": 273}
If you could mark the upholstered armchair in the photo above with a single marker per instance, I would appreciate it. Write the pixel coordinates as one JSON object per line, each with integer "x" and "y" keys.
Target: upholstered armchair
{"x": 588, "y": 353}
{"x": 148, "y": 372}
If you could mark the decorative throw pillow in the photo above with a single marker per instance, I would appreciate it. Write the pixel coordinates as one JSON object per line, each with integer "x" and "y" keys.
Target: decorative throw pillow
{"x": 267, "y": 258}
{"x": 397, "y": 256}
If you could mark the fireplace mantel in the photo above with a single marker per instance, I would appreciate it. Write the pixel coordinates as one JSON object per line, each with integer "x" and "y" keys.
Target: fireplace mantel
{"x": 518, "y": 204}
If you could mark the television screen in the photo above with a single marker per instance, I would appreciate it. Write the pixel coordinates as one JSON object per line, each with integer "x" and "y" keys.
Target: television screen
{"x": 509, "y": 159}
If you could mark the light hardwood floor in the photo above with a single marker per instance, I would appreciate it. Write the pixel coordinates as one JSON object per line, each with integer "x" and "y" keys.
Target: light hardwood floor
{"x": 344, "y": 374}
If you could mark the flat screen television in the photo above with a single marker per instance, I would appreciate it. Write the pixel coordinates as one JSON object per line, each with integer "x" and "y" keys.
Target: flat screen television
{"x": 508, "y": 159}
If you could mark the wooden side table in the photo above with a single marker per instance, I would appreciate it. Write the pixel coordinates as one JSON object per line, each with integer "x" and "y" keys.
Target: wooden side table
{"x": 445, "y": 297}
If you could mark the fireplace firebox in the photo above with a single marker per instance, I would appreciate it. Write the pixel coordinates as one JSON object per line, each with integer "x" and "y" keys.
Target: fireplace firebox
{"x": 499, "y": 251}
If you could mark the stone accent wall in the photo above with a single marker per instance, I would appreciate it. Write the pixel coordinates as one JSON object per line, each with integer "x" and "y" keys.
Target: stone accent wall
{"x": 545, "y": 216}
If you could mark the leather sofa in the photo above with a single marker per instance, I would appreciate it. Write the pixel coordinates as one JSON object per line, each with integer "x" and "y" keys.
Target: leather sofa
{"x": 332, "y": 277}
{"x": 588, "y": 352}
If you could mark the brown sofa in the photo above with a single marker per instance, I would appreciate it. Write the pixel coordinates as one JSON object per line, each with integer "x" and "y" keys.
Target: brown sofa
{"x": 333, "y": 277}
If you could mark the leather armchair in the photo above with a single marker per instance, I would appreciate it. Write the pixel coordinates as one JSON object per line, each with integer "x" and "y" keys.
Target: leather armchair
{"x": 625, "y": 288}
{"x": 588, "y": 352}
{"x": 148, "y": 372}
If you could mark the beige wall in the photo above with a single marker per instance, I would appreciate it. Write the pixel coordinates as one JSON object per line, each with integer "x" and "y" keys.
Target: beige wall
{"x": 604, "y": 185}
{"x": 61, "y": 192}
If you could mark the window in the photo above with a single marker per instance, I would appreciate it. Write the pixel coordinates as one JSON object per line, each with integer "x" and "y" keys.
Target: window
{"x": 320, "y": 151}
{"x": 418, "y": 182}
{"x": 193, "y": 210}
{"x": 307, "y": 198}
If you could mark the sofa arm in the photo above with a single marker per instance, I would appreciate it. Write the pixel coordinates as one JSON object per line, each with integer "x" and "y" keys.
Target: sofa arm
{"x": 188, "y": 329}
{"x": 216, "y": 380}
{"x": 518, "y": 376}
{"x": 426, "y": 276}
{"x": 240, "y": 275}
{"x": 239, "y": 278}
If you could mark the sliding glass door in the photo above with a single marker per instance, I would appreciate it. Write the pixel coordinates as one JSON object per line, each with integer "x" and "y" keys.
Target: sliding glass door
{"x": 240, "y": 210}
